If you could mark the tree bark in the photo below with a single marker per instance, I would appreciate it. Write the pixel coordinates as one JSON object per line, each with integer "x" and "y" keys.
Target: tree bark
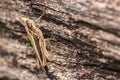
{"x": 85, "y": 39}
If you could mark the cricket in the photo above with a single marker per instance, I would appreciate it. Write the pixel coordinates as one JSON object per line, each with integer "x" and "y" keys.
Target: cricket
{"x": 37, "y": 40}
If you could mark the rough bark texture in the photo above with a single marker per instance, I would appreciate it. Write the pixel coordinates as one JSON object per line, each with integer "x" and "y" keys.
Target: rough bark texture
{"x": 85, "y": 45}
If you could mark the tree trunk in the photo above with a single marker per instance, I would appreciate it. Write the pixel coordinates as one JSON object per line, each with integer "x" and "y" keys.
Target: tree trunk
{"x": 85, "y": 39}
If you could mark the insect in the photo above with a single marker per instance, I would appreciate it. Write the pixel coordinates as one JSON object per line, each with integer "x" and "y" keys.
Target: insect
{"x": 37, "y": 40}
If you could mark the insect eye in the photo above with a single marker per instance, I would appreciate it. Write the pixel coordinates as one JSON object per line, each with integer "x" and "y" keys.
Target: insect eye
{"x": 29, "y": 25}
{"x": 27, "y": 22}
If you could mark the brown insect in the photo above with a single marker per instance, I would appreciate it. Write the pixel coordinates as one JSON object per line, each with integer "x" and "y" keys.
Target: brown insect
{"x": 37, "y": 40}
